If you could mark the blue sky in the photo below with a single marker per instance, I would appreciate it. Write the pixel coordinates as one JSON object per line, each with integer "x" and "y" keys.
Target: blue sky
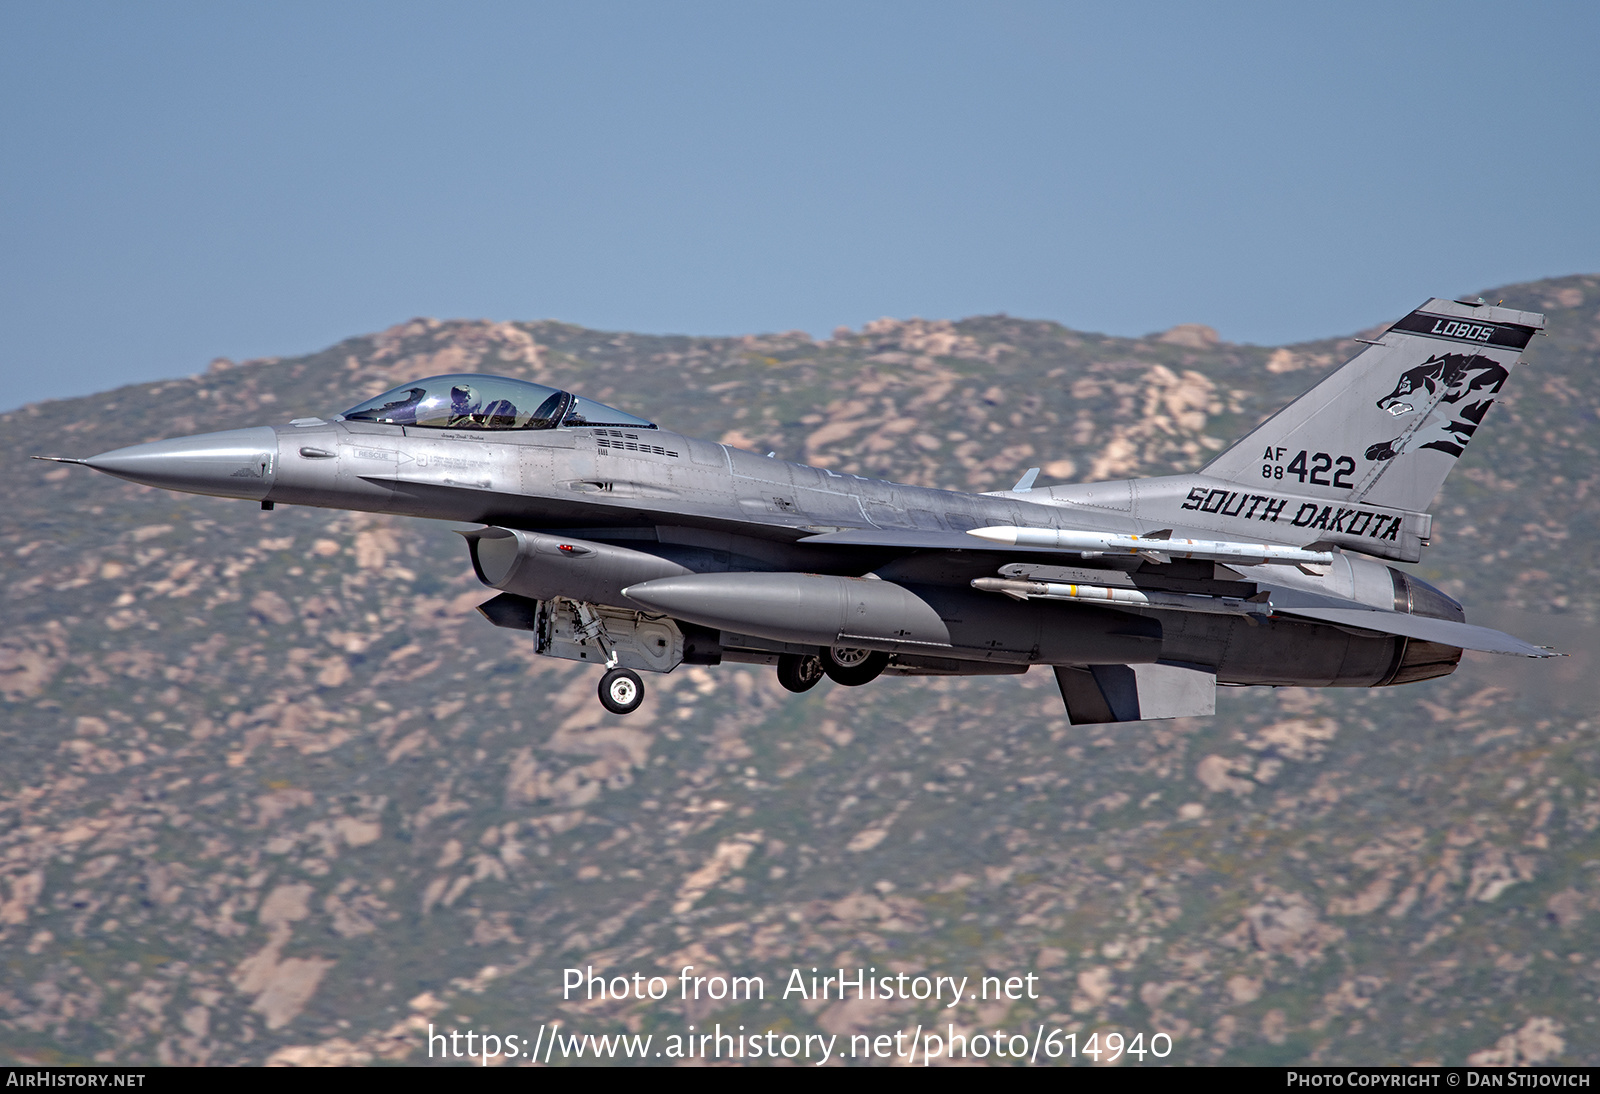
{"x": 185, "y": 181}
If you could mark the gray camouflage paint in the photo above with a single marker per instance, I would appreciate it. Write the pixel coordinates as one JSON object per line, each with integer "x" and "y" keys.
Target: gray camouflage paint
{"x": 768, "y": 556}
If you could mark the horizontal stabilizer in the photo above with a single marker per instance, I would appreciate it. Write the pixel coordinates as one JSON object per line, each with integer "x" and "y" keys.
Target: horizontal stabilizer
{"x": 1446, "y": 632}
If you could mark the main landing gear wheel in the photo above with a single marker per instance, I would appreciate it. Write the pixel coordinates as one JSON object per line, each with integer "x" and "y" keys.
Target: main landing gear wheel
{"x": 799, "y": 673}
{"x": 621, "y": 691}
{"x": 853, "y": 667}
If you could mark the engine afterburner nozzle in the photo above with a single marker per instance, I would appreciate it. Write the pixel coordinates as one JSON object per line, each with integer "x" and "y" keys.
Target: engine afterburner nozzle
{"x": 237, "y": 463}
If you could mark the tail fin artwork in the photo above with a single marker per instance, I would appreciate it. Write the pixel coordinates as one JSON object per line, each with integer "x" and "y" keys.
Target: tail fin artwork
{"x": 1386, "y": 429}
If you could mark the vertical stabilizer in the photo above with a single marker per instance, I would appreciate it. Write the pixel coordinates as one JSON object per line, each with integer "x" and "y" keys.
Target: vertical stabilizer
{"x": 1387, "y": 428}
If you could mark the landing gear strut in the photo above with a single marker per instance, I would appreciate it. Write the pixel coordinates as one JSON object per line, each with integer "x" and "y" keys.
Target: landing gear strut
{"x": 799, "y": 673}
{"x": 853, "y": 667}
{"x": 621, "y": 691}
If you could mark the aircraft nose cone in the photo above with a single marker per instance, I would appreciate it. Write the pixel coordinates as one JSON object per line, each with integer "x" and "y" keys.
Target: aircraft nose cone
{"x": 237, "y": 463}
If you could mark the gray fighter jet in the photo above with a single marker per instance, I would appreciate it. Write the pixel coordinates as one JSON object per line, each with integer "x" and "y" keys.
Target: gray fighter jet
{"x": 617, "y": 542}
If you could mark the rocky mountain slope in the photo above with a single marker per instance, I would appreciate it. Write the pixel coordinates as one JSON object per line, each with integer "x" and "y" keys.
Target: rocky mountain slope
{"x": 273, "y": 791}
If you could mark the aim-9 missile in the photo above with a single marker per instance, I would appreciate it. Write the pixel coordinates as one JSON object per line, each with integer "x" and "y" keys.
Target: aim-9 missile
{"x": 1154, "y": 548}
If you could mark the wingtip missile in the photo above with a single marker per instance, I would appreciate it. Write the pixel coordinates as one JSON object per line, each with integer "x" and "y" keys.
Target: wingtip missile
{"x": 997, "y": 534}
{"x": 1157, "y": 547}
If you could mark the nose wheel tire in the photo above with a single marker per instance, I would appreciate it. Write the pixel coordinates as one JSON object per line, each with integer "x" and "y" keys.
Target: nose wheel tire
{"x": 621, "y": 691}
{"x": 797, "y": 673}
{"x": 853, "y": 667}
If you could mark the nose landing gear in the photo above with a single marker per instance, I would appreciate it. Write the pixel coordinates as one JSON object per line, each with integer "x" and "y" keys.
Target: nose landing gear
{"x": 621, "y": 691}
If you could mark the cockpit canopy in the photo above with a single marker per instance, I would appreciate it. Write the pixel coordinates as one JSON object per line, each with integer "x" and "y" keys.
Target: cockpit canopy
{"x": 475, "y": 401}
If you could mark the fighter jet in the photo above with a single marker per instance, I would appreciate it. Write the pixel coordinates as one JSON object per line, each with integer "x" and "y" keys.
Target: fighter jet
{"x": 617, "y": 542}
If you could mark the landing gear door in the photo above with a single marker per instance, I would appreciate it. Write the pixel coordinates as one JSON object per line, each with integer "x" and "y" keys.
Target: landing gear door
{"x": 641, "y": 642}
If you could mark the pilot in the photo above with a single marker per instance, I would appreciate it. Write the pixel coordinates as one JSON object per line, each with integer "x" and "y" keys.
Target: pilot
{"x": 463, "y": 405}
